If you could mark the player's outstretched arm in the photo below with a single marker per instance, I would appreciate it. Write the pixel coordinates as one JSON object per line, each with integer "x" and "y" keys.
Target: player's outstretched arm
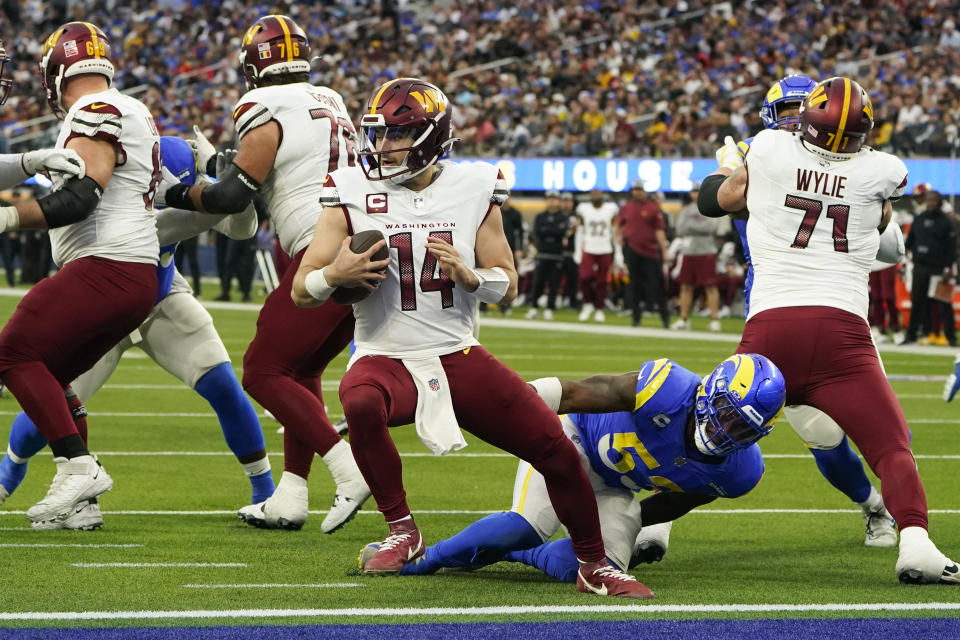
{"x": 666, "y": 506}
{"x": 596, "y": 394}
{"x": 329, "y": 263}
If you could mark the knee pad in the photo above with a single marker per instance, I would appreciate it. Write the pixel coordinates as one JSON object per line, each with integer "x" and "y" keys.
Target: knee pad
{"x": 815, "y": 428}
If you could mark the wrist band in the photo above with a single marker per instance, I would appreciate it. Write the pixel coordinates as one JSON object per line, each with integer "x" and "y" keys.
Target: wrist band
{"x": 316, "y": 285}
{"x": 550, "y": 390}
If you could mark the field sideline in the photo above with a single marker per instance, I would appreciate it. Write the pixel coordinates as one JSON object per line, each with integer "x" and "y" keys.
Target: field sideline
{"x": 787, "y": 560}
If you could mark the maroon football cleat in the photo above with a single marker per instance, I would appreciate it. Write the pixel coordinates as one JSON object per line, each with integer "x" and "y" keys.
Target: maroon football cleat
{"x": 605, "y": 580}
{"x": 403, "y": 545}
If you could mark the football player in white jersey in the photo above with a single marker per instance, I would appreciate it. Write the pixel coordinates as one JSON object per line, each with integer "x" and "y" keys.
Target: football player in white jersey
{"x": 103, "y": 234}
{"x": 817, "y": 202}
{"x": 291, "y": 135}
{"x": 417, "y": 358}
{"x": 596, "y": 233}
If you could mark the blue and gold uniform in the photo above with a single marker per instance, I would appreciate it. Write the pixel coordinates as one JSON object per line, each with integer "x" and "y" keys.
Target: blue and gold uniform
{"x": 647, "y": 448}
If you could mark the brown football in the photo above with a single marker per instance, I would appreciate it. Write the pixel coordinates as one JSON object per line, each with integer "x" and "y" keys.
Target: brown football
{"x": 360, "y": 242}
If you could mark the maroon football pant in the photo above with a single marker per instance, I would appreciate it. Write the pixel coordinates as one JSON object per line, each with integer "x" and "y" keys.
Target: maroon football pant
{"x": 63, "y": 326}
{"x": 490, "y": 401}
{"x": 594, "y": 269}
{"x": 283, "y": 365}
{"x": 830, "y": 362}
{"x": 883, "y": 299}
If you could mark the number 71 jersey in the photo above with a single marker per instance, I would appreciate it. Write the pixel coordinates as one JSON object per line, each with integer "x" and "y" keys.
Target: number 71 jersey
{"x": 417, "y": 310}
{"x": 812, "y": 229}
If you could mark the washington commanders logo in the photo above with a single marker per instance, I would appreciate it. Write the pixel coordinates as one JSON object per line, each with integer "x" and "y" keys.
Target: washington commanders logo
{"x": 376, "y": 203}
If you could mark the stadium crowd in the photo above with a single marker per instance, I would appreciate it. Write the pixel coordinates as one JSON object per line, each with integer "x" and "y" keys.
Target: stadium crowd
{"x": 530, "y": 78}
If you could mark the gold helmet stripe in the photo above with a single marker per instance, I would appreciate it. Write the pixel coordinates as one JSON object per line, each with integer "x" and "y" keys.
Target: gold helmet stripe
{"x": 376, "y": 98}
{"x": 286, "y": 37}
{"x": 96, "y": 42}
{"x": 843, "y": 115}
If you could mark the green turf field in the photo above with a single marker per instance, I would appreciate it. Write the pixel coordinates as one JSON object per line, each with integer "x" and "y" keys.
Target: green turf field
{"x": 792, "y": 542}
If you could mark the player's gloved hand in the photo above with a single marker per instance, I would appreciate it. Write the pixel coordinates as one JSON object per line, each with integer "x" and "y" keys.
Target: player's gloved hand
{"x": 205, "y": 150}
{"x": 224, "y": 159}
{"x": 65, "y": 162}
{"x": 952, "y": 384}
{"x": 729, "y": 155}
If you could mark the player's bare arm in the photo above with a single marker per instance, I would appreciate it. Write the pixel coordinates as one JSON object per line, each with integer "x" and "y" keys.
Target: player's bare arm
{"x": 666, "y": 506}
{"x": 78, "y": 197}
{"x": 492, "y": 252}
{"x": 599, "y": 394}
{"x": 330, "y": 252}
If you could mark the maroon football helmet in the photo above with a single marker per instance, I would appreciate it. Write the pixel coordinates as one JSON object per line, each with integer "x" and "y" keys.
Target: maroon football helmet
{"x": 74, "y": 49}
{"x": 6, "y": 84}
{"x": 836, "y": 116}
{"x": 406, "y": 108}
{"x": 274, "y": 44}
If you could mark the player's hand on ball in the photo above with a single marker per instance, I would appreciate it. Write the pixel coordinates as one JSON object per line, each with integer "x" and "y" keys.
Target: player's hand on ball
{"x": 351, "y": 269}
{"x": 451, "y": 264}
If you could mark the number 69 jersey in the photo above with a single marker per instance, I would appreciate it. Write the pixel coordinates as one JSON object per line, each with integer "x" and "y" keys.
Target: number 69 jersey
{"x": 812, "y": 229}
{"x": 647, "y": 448}
{"x": 417, "y": 310}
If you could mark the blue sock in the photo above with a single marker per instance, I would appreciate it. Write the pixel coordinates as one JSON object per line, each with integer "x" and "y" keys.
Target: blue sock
{"x": 238, "y": 421}
{"x": 843, "y": 469}
{"x": 556, "y": 558}
{"x": 483, "y": 542}
{"x": 25, "y": 441}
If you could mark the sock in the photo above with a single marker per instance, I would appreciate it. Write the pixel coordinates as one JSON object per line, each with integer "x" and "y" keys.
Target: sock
{"x": 240, "y": 426}
{"x": 556, "y": 559}
{"x": 340, "y": 462}
{"x": 12, "y": 472}
{"x": 483, "y": 542}
{"x": 78, "y": 411}
{"x": 69, "y": 447}
{"x": 843, "y": 469}
{"x": 291, "y": 481}
{"x": 874, "y": 501}
{"x": 25, "y": 439}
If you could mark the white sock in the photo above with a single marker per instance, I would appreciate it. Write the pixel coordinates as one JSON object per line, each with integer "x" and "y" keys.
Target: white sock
{"x": 343, "y": 468}
{"x": 14, "y": 457}
{"x": 290, "y": 481}
{"x": 874, "y": 501}
{"x": 257, "y": 467}
{"x": 914, "y": 536}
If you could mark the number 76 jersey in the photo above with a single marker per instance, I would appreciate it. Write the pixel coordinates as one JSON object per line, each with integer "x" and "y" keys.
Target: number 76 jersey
{"x": 813, "y": 222}
{"x": 417, "y": 310}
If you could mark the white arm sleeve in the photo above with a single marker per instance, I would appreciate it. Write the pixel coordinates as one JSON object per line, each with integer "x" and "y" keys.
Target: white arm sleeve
{"x": 891, "y": 244}
{"x": 11, "y": 170}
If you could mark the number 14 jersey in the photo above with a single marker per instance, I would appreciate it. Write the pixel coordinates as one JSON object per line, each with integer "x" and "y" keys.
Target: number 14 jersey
{"x": 812, "y": 229}
{"x": 417, "y": 311}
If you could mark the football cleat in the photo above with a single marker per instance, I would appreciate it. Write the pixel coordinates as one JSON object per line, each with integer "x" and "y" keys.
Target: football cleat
{"x": 548, "y": 314}
{"x": 585, "y": 312}
{"x": 881, "y": 528}
{"x": 285, "y": 509}
{"x": 922, "y": 563}
{"x": 531, "y": 314}
{"x": 598, "y": 316}
{"x": 341, "y": 426}
{"x": 651, "y": 544}
{"x": 85, "y": 516}
{"x": 403, "y": 545}
{"x": 78, "y": 479}
{"x": 603, "y": 579}
{"x": 343, "y": 509}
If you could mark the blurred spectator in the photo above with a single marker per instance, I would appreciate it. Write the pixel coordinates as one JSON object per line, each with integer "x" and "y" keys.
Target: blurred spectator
{"x": 698, "y": 251}
{"x": 596, "y": 239}
{"x": 640, "y": 230}
{"x": 36, "y": 256}
{"x": 513, "y": 229}
{"x": 571, "y": 263}
{"x": 548, "y": 235}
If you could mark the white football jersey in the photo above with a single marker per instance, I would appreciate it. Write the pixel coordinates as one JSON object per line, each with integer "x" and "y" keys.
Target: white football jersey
{"x": 597, "y": 229}
{"x": 417, "y": 310}
{"x": 316, "y": 137}
{"x": 123, "y": 225}
{"x": 812, "y": 229}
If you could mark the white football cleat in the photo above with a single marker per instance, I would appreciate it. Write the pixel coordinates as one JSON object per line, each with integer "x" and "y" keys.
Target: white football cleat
{"x": 86, "y": 516}
{"x": 346, "y": 503}
{"x": 78, "y": 479}
{"x": 920, "y": 562}
{"x": 881, "y": 528}
{"x": 715, "y": 326}
{"x": 285, "y": 509}
{"x": 585, "y": 312}
{"x": 651, "y": 544}
{"x": 531, "y": 314}
{"x": 598, "y": 316}
{"x": 681, "y": 325}
{"x": 548, "y": 314}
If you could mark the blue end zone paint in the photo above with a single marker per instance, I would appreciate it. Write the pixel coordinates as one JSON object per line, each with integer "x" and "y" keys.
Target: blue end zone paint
{"x": 837, "y": 629}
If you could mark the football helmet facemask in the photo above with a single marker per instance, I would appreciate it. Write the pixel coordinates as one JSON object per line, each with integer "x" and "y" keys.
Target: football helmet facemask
{"x": 6, "y": 84}
{"x": 74, "y": 49}
{"x": 275, "y": 44}
{"x": 405, "y": 109}
{"x": 785, "y": 93}
{"x": 738, "y": 404}
{"x": 836, "y": 117}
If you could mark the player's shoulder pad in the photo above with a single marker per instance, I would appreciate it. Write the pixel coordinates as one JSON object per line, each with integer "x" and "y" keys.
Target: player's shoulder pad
{"x": 483, "y": 177}
{"x": 744, "y": 473}
{"x": 891, "y": 172}
{"x": 345, "y": 186}
{"x": 251, "y": 112}
{"x": 96, "y": 116}
{"x": 662, "y": 384}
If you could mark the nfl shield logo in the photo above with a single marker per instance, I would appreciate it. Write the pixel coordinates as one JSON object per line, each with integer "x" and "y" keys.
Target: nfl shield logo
{"x": 264, "y": 49}
{"x": 434, "y": 384}
{"x": 70, "y": 48}
{"x": 418, "y": 202}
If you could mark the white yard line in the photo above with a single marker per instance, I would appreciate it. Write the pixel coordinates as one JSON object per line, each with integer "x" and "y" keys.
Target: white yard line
{"x": 151, "y": 565}
{"x": 333, "y": 585}
{"x": 480, "y": 611}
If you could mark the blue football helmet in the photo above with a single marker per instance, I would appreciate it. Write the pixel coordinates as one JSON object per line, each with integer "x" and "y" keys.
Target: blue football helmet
{"x": 179, "y": 158}
{"x": 738, "y": 404}
{"x": 784, "y": 94}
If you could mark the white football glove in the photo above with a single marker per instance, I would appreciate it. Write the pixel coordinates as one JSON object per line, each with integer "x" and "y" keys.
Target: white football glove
{"x": 205, "y": 150}
{"x": 729, "y": 155}
{"x": 63, "y": 161}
